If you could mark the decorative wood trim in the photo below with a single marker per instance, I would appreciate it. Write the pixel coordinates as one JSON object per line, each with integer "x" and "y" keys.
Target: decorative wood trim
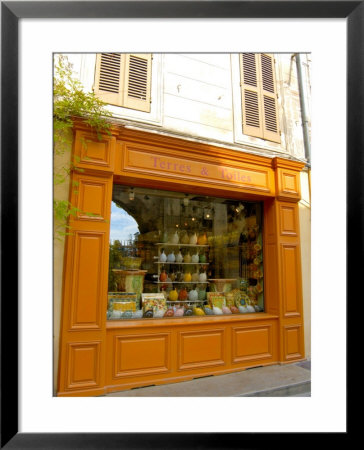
{"x": 292, "y": 342}
{"x": 75, "y": 373}
{"x": 261, "y": 336}
{"x": 143, "y": 348}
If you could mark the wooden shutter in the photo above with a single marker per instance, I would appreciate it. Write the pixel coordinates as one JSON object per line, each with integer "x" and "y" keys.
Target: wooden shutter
{"x": 259, "y": 99}
{"x": 137, "y": 81}
{"x": 250, "y": 95}
{"x": 124, "y": 79}
{"x": 269, "y": 99}
{"x": 109, "y": 77}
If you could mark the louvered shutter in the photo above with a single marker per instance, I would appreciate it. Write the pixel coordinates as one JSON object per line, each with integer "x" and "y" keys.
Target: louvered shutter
{"x": 269, "y": 99}
{"x": 259, "y": 99}
{"x": 109, "y": 79}
{"x": 250, "y": 95}
{"x": 136, "y": 94}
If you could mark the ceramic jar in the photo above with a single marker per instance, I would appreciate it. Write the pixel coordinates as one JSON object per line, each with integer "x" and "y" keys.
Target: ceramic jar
{"x": 195, "y": 277}
{"x": 173, "y": 295}
{"x": 174, "y": 239}
{"x": 195, "y": 257}
{"x": 179, "y": 257}
{"x": 187, "y": 257}
{"x": 202, "y": 277}
{"x": 163, "y": 276}
{"x": 182, "y": 295}
{"x": 193, "y": 295}
{"x": 187, "y": 277}
{"x": 202, "y": 258}
{"x": 171, "y": 257}
{"x": 202, "y": 239}
{"x": 162, "y": 257}
{"x": 185, "y": 239}
{"x": 193, "y": 239}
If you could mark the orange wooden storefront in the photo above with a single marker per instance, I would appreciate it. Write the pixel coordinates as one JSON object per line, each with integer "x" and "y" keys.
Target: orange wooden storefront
{"x": 99, "y": 356}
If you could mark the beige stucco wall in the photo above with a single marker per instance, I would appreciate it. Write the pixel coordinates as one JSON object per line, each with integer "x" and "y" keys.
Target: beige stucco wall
{"x": 305, "y": 231}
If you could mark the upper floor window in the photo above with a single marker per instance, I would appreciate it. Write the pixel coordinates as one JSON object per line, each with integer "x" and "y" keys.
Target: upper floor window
{"x": 124, "y": 79}
{"x": 259, "y": 96}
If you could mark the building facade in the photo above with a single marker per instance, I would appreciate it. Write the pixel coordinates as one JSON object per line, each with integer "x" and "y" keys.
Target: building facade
{"x": 197, "y": 204}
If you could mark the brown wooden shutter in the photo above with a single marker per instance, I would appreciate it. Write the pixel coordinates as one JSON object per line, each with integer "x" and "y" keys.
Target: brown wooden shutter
{"x": 269, "y": 99}
{"x": 137, "y": 86}
{"x": 250, "y": 95}
{"x": 109, "y": 79}
{"x": 259, "y": 99}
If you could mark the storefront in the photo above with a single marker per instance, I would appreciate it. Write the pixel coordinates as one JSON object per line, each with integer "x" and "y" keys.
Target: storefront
{"x": 209, "y": 284}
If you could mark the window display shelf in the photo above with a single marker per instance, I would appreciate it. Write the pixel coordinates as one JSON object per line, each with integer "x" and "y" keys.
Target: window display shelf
{"x": 185, "y": 301}
{"x": 181, "y": 282}
{"x": 187, "y": 263}
{"x": 167, "y": 244}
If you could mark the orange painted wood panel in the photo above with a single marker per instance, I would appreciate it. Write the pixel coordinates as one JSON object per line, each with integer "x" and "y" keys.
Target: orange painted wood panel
{"x": 252, "y": 343}
{"x": 288, "y": 220}
{"x": 88, "y": 295}
{"x": 200, "y": 170}
{"x": 203, "y": 348}
{"x": 89, "y": 196}
{"x": 293, "y": 342}
{"x": 84, "y": 365}
{"x": 141, "y": 355}
{"x": 291, "y": 282}
{"x": 94, "y": 153}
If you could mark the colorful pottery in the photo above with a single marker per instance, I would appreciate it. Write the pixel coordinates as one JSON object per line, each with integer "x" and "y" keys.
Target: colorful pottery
{"x": 163, "y": 276}
{"x": 201, "y": 294}
{"x": 185, "y": 239}
{"x": 193, "y": 295}
{"x": 163, "y": 257}
{"x": 138, "y": 314}
{"x": 250, "y": 308}
{"x": 202, "y": 239}
{"x": 179, "y": 312}
{"x": 174, "y": 238}
{"x": 243, "y": 309}
{"x": 234, "y": 310}
{"x": 187, "y": 277}
{"x": 193, "y": 239}
{"x": 148, "y": 314}
{"x": 188, "y": 312}
{"x": 187, "y": 258}
{"x": 208, "y": 311}
{"x": 202, "y": 277}
{"x": 169, "y": 313}
{"x": 195, "y": 277}
{"x": 202, "y": 258}
{"x": 226, "y": 310}
{"x": 198, "y": 311}
{"x": 159, "y": 313}
{"x": 173, "y": 295}
{"x": 182, "y": 295}
{"x": 127, "y": 315}
{"x": 216, "y": 310}
{"x": 195, "y": 258}
{"x": 179, "y": 257}
{"x": 171, "y": 257}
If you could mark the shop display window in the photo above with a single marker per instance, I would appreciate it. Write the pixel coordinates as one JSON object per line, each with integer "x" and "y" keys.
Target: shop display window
{"x": 183, "y": 255}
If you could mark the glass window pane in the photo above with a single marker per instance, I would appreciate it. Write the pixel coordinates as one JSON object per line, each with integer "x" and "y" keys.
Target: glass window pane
{"x": 174, "y": 254}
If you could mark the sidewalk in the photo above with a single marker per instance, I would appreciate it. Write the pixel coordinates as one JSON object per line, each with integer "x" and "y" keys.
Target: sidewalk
{"x": 289, "y": 380}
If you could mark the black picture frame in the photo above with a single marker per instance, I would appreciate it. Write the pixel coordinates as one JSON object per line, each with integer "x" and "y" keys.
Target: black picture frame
{"x": 11, "y": 12}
